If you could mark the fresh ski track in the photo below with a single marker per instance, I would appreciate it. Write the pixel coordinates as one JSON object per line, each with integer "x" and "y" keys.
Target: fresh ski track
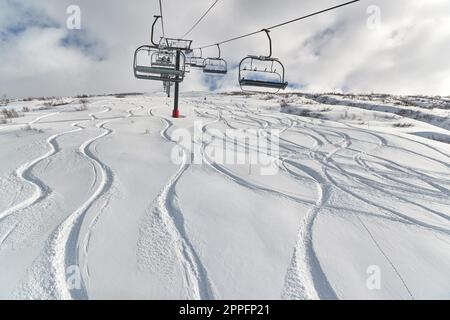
{"x": 166, "y": 205}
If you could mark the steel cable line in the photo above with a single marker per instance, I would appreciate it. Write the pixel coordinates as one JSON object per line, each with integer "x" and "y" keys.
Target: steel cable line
{"x": 280, "y": 25}
{"x": 162, "y": 18}
{"x": 200, "y": 19}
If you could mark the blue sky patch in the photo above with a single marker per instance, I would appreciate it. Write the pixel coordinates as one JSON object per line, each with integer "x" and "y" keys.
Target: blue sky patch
{"x": 80, "y": 40}
{"x": 24, "y": 18}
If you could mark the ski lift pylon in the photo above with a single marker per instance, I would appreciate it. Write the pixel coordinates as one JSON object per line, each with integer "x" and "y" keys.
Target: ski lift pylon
{"x": 262, "y": 72}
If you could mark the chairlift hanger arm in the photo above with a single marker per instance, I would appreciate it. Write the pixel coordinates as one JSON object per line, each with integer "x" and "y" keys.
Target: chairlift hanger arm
{"x": 153, "y": 30}
{"x": 267, "y": 31}
{"x": 283, "y": 24}
{"x": 220, "y": 53}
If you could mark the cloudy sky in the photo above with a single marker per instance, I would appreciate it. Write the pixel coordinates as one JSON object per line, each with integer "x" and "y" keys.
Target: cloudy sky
{"x": 405, "y": 51}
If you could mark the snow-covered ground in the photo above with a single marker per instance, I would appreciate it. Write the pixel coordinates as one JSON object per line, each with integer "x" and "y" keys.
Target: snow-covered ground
{"x": 358, "y": 209}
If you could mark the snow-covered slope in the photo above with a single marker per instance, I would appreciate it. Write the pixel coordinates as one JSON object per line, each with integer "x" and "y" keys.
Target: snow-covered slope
{"x": 360, "y": 198}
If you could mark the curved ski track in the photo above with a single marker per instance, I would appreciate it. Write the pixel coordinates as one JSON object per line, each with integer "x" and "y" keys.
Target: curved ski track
{"x": 167, "y": 207}
{"x": 305, "y": 278}
{"x": 65, "y": 243}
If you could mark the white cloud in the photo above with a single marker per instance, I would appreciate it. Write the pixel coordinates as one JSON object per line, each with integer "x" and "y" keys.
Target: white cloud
{"x": 334, "y": 51}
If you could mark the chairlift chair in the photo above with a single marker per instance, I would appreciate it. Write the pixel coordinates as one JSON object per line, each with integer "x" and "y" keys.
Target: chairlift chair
{"x": 149, "y": 66}
{"x": 175, "y": 44}
{"x": 197, "y": 62}
{"x": 216, "y": 66}
{"x": 194, "y": 61}
{"x": 256, "y": 72}
{"x": 159, "y": 61}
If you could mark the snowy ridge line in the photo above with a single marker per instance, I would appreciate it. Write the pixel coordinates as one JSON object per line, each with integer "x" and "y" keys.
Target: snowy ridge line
{"x": 31, "y": 122}
{"x": 388, "y": 109}
{"x": 196, "y": 276}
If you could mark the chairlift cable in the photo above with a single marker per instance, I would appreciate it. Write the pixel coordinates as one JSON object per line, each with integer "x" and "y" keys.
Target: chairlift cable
{"x": 162, "y": 18}
{"x": 280, "y": 25}
{"x": 200, "y": 19}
